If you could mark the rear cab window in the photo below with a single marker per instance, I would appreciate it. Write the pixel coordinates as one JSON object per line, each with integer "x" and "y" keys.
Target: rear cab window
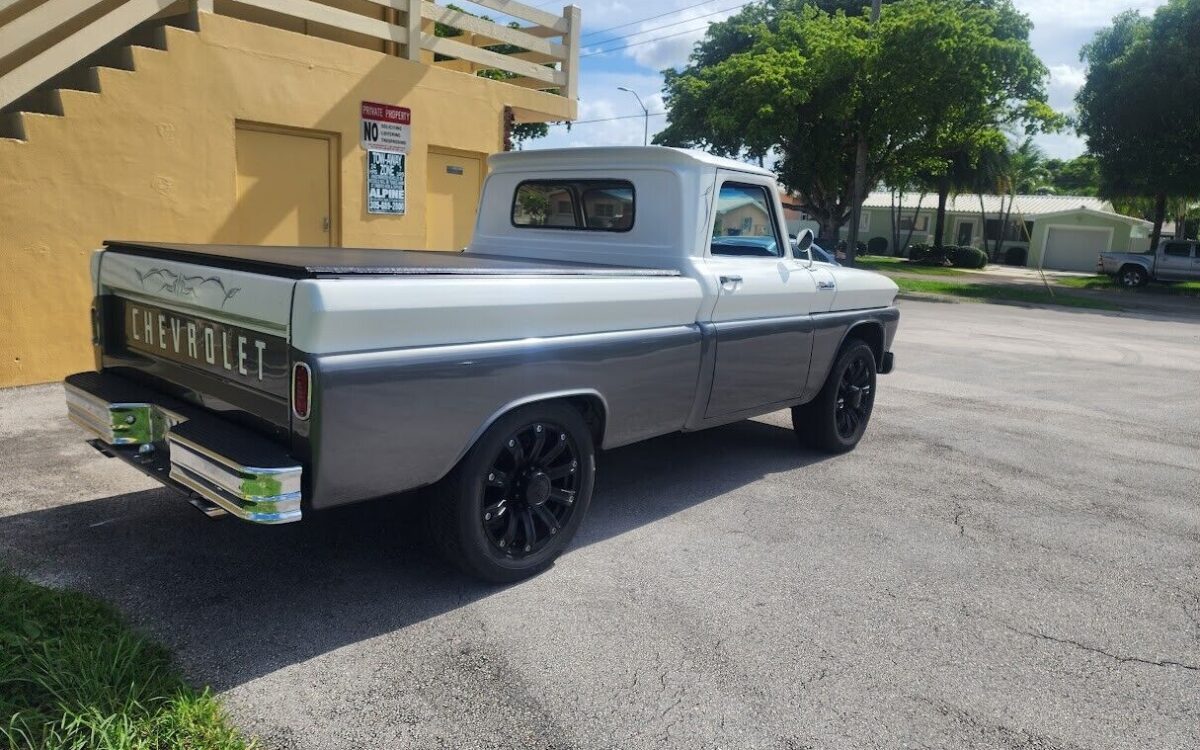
{"x": 745, "y": 223}
{"x": 595, "y": 205}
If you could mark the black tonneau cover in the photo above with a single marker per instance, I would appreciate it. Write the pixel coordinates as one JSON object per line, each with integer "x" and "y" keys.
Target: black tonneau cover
{"x": 317, "y": 262}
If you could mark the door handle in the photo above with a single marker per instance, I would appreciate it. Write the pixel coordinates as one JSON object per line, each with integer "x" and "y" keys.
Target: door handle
{"x": 731, "y": 279}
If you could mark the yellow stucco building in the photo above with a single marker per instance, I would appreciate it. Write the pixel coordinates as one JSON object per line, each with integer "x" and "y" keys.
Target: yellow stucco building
{"x": 240, "y": 122}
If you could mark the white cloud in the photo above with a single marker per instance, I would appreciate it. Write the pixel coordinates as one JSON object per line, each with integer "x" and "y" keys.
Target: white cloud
{"x": 673, "y": 44}
{"x": 600, "y": 100}
{"x": 1065, "y": 80}
{"x": 1080, "y": 14}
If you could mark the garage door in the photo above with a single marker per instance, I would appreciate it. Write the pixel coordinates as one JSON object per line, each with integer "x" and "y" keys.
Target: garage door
{"x": 1074, "y": 248}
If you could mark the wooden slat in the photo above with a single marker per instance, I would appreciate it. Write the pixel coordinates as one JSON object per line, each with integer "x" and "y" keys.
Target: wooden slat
{"x": 530, "y": 83}
{"x": 525, "y": 13}
{"x": 502, "y": 34}
{"x": 38, "y": 22}
{"x": 451, "y": 48}
{"x": 412, "y": 32}
{"x": 335, "y": 17}
{"x": 57, "y": 58}
{"x": 571, "y": 66}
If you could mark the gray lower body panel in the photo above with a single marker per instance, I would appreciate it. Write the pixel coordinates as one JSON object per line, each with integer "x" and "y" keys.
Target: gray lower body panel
{"x": 388, "y": 421}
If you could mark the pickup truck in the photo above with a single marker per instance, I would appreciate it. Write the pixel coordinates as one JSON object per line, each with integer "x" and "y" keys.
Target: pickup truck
{"x": 608, "y": 296}
{"x": 1174, "y": 260}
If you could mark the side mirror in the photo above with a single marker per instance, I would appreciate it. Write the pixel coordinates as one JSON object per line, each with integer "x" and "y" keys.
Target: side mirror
{"x": 802, "y": 247}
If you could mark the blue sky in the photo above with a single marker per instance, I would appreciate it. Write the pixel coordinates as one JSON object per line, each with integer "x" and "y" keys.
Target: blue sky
{"x": 1061, "y": 27}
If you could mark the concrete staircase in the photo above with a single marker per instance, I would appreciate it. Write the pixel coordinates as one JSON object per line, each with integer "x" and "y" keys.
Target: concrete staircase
{"x": 46, "y": 99}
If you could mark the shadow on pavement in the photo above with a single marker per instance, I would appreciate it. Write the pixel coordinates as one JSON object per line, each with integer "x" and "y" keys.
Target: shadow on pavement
{"x": 237, "y": 601}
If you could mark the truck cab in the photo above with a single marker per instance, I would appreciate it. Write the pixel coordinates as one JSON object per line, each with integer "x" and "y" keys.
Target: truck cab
{"x": 1172, "y": 260}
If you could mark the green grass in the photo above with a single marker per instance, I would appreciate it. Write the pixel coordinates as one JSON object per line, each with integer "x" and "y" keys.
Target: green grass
{"x": 994, "y": 293}
{"x": 901, "y": 265}
{"x": 73, "y": 675}
{"x": 1178, "y": 288}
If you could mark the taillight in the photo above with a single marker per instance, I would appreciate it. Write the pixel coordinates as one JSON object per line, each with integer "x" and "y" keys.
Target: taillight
{"x": 301, "y": 390}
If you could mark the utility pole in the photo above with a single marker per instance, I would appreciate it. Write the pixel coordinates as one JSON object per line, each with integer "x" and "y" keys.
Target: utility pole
{"x": 645, "y": 116}
{"x": 860, "y": 173}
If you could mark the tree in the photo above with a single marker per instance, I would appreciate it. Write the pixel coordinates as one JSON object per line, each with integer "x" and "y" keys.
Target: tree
{"x": 788, "y": 76}
{"x": 1078, "y": 176}
{"x": 1145, "y": 141}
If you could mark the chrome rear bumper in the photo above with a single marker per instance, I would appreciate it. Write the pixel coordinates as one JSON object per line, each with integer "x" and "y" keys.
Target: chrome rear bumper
{"x": 242, "y": 472}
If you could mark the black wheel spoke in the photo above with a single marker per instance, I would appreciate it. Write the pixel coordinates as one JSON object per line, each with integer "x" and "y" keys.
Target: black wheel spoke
{"x": 516, "y": 450}
{"x": 566, "y": 497}
{"x": 560, "y": 472}
{"x": 539, "y": 441}
{"x": 560, "y": 444}
{"x": 546, "y": 518}
{"x": 510, "y": 531}
{"x": 527, "y": 526}
{"x": 495, "y": 512}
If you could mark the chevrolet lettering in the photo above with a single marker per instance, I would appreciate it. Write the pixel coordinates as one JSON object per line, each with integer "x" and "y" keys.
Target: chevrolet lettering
{"x": 607, "y": 296}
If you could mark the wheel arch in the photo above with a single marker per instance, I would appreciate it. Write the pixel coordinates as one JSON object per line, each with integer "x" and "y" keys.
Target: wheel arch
{"x": 589, "y": 402}
{"x": 869, "y": 332}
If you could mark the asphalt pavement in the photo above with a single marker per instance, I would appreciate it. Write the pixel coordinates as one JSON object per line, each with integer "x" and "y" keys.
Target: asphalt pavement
{"x": 1009, "y": 560}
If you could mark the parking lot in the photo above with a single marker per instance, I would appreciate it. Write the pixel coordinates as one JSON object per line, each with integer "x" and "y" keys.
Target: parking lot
{"x": 1009, "y": 560}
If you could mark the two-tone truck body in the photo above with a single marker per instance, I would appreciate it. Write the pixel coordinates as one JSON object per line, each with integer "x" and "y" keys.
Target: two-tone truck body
{"x": 608, "y": 296}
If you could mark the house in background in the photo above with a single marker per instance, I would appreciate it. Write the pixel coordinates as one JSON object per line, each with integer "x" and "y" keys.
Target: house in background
{"x": 1059, "y": 232}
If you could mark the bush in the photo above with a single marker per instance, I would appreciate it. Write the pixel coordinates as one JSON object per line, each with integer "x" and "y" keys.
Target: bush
{"x": 966, "y": 257}
{"x": 861, "y": 249}
{"x": 877, "y": 246}
{"x": 927, "y": 255}
{"x": 1015, "y": 256}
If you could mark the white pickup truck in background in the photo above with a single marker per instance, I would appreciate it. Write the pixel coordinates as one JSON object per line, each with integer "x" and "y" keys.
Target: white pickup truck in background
{"x": 608, "y": 296}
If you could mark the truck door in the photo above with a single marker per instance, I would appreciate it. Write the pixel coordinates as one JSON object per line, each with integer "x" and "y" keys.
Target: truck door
{"x": 1174, "y": 260}
{"x": 762, "y": 312}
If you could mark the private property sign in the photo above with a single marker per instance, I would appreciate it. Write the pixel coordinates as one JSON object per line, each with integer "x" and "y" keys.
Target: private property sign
{"x": 386, "y": 128}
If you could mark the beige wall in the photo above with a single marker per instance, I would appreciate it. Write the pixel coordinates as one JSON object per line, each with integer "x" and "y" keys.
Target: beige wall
{"x": 152, "y": 158}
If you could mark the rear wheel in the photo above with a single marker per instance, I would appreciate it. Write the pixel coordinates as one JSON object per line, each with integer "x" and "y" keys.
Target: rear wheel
{"x": 836, "y": 419}
{"x": 516, "y": 499}
{"x": 1133, "y": 276}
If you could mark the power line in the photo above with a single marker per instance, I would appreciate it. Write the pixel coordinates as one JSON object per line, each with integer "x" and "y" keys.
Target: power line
{"x": 643, "y": 20}
{"x": 669, "y": 25}
{"x": 644, "y": 41}
{"x": 609, "y": 119}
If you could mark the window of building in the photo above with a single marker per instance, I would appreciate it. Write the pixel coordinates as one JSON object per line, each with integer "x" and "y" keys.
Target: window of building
{"x": 913, "y": 223}
{"x": 600, "y": 205}
{"x": 745, "y": 222}
{"x": 1015, "y": 231}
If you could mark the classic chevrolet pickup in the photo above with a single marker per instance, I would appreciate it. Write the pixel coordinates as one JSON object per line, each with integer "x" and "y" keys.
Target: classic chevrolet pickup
{"x": 608, "y": 296}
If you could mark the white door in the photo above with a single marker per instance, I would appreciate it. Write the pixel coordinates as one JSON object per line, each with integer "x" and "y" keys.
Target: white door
{"x": 1075, "y": 248}
{"x": 763, "y": 327}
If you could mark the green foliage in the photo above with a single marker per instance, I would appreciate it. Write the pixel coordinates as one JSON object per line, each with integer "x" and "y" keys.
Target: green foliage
{"x": 997, "y": 293}
{"x": 1139, "y": 108}
{"x": 963, "y": 256}
{"x": 922, "y": 254}
{"x": 1078, "y": 176}
{"x": 74, "y": 676}
{"x": 786, "y": 74}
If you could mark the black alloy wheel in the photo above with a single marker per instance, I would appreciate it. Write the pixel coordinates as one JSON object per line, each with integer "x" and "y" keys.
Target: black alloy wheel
{"x": 530, "y": 489}
{"x": 515, "y": 500}
{"x": 855, "y": 396}
{"x": 835, "y": 420}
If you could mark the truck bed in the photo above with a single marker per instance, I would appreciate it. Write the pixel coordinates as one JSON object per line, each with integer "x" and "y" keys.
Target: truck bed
{"x": 327, "y": 262}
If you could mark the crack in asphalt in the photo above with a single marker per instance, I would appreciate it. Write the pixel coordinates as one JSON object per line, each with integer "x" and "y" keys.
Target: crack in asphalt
{"x": 1109, "y": 654}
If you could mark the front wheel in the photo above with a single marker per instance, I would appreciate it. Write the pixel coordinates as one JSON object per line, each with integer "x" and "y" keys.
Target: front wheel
{"x": 836, "y": 419}
{"x": 1133, "y": 276}
{"x": 513, "y": 503}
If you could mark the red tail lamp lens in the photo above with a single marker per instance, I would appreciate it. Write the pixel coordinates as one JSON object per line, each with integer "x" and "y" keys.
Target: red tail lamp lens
{"x": 301, "y": 390}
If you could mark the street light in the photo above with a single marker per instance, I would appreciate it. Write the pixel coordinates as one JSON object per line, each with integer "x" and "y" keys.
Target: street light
{"x": 645, "y": 116}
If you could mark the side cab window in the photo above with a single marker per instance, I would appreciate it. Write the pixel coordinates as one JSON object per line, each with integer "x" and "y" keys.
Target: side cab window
{"x": 745, "y": 223}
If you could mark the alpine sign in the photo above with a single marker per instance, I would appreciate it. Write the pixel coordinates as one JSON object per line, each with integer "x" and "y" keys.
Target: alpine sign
{"x": 386, "y": 128}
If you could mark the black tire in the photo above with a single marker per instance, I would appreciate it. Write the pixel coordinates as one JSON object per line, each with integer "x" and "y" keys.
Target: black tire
{"x": 533, "y": 492}
{"x": 836, "y": 419}
{"x": 1132, "y": 276}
